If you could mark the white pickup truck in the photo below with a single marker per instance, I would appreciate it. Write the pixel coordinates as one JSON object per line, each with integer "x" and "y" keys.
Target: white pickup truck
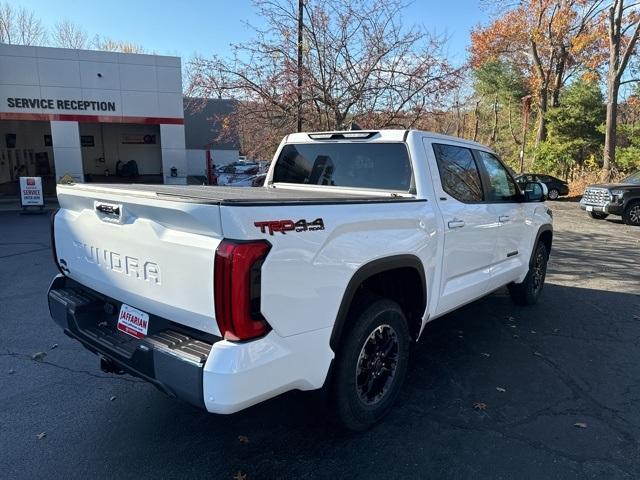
{"x": 225, "y": 297}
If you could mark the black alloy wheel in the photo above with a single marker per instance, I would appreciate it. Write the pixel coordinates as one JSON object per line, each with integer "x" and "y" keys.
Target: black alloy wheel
{"x": 528, "y": 292}
{"x": 370, "y": 364}
{"x": 377, "y": 364}
{"x": 632, "y": 214}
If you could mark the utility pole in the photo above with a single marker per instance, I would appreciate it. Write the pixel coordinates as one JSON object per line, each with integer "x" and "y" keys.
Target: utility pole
{"x": 300, "y": 32}
{"x": 526, "y": 110}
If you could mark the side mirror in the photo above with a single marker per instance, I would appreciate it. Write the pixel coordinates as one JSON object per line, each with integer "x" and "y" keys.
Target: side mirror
{"x": 535, "y": 192}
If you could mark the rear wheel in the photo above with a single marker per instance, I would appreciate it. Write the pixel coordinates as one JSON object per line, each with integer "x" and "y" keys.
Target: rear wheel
{"x": 553, "y": 194}
{"x": 528, "y": 292}
{"x": 598, "y": 215}
{"x": 631, "y": 214}
{"x": 371, "y": 364}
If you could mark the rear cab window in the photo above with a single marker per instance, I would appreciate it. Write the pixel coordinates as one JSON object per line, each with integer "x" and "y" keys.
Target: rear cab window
{"x": 375, "y": 165}
{"x": 459, "y": 173}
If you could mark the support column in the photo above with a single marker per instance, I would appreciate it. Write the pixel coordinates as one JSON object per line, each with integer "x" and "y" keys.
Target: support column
{"x": 173, "y": 153}
{"x": 67, "y": 154}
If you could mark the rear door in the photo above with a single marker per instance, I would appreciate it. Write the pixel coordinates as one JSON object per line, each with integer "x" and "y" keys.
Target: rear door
{"x": 506, "y": 208}
{"x": 469, "y": 223}
{"x": 154, "y": 255}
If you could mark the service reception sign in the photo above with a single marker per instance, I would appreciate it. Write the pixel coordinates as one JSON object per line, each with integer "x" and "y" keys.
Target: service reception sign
{"x": 31, "y": 191}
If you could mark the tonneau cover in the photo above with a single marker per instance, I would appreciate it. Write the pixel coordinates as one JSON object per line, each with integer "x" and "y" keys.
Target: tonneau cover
{"x": 240, "y": 196}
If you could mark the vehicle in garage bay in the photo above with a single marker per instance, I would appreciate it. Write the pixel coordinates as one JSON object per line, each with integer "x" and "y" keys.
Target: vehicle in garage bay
{"x": 322, "y": 278}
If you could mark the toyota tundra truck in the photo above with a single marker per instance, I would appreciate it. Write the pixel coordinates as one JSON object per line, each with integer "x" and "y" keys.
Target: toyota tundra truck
{"x": 322, "y": 278}
{"x": 621, "y": 199}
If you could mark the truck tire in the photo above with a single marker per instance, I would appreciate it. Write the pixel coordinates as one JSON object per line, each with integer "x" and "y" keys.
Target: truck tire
{"x": 598, "y": 215}
{"x": 631, "y": 215}
{"x": 371, "y": 364}
{"x": 528, "y": 292}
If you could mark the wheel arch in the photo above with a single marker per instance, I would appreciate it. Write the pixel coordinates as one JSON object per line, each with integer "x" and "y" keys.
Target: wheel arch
{"x": 375, "y": 271}
{"x": 545, "y": 235}
{"x": 631, "y": 201}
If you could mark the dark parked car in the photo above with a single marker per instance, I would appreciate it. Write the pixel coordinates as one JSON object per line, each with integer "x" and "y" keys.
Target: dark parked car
{"x": 557, "y": 188}
{"x": 621, "y": 199}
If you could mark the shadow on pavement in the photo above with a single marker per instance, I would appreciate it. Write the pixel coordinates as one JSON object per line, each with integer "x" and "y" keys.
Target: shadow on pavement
{"x": 612, "y": 257}
{"x": 570, "y": 360}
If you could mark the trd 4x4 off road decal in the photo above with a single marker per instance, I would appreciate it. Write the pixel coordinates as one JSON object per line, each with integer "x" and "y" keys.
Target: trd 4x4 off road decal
{"x": 284, "y": 226}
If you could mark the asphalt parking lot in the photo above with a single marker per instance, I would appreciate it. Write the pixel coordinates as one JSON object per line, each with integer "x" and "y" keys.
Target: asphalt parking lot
{"x": 559, "y": 385}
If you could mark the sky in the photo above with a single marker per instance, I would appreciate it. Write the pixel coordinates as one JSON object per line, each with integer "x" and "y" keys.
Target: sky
{"x": 188, "y": 27}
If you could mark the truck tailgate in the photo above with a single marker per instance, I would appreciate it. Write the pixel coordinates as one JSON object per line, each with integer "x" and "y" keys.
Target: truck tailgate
{"x": 156, "y": 255}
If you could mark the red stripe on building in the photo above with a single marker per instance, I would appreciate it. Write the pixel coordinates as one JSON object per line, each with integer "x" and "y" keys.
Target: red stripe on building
{"x": 46, "y": 117}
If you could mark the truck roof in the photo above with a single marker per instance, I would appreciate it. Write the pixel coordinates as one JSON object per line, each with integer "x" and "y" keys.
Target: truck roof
{"x": 382, "y": 135}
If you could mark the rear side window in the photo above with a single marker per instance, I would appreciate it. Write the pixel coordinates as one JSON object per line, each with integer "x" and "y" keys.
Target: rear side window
{"x": 384, "y": 166}
{"x": 458, "y": 173}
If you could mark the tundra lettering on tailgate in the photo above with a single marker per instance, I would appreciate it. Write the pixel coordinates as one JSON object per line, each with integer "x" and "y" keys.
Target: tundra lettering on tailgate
{"x": 119, "y": 263}
{"x": 284, "y": 226}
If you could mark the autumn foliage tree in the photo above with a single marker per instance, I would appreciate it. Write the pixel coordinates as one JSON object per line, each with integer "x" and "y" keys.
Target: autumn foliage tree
{"x": 623, "y": 22}
{"x": 549, "y": 40}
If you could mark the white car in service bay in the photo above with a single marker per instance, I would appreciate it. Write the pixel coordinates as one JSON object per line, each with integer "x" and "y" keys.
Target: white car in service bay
{"x": 225, "y": 297}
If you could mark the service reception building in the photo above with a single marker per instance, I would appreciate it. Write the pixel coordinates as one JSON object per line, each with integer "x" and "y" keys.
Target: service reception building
{"x": 90, "y": 115}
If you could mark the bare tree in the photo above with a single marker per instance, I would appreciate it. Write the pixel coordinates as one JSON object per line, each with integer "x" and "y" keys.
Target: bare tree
{"x": 624, "y": 29}
{"x": 20, "y": 26}
{"x": 69, "y": 35}
{"x": 110, "y": 45}
{"x": 360, "y": 63}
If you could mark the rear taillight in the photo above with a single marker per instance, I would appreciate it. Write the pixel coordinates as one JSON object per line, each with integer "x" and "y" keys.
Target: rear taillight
{"x": 237, "y": 289}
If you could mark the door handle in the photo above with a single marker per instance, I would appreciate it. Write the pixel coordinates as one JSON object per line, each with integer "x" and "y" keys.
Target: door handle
{"x": 456, "y": 224}
{"x": 503, "y": 218}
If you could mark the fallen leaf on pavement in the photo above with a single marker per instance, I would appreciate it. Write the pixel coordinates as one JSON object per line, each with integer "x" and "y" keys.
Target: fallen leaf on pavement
{"x": 480, "y": 406}
{"x": 243, "y": 439}
{"x": 485, "y": 354}
{"x": 41, "y": 435}
{"x": 533, "y": 331}
{"x": 39, "y": 356}
{"x": 500, "y": 389}
{"x": 580, "y": 425}
{"x": 11, "y": 371}
{"x": 240, "y": 476}
{"x": 55, "y": 345}
{"x": 112, "y": 398}
{"x": 516, "y": 336}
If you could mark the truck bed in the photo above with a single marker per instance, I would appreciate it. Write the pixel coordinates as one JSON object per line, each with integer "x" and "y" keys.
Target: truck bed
{"x": 238, "y": 196}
